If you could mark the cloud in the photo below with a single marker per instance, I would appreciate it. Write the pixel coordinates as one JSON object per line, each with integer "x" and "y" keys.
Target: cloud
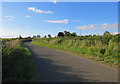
{"x": 31, "y": 8}
{"x": 9, "y": 17}
{"x": 54, "y": 1}
{"x": 116, "y": 33}
{"x": 75, "y": 20}
{"x": 56, "y": 21}
{"x": 39, "y": 11}
{"x": 98, "y": 26}
{"x": 8, "y": 36}
{"x": 27, "y": 16}
{"x": 46, "y": 12}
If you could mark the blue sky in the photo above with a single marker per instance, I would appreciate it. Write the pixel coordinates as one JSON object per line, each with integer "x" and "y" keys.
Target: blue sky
{"x": 43, "y": 18}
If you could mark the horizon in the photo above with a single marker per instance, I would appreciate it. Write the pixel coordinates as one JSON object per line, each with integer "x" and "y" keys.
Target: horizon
{"x": 116, "y": 33}
{"x": 43, "y": 18}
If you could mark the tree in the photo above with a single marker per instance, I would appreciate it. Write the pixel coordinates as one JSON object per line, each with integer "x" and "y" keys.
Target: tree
{"x": 94, "y": 35}
{"x": 20, "y": 37}
{"x": 34, "y": 36}
{"x": 60, "y": 34}
{"x": 49, "y": 35}
{"x": 45, "y": 36}
{"x": 106, "y": 37}
{"x": 73, "y": 34}
{"x": 38, "y": 36}
{"x": 106, "y": 33}
{"x": 67, "y": 33}
{"x": 29, "y": 37}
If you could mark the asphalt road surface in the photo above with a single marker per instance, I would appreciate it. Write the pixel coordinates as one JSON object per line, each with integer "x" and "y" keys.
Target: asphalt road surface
{"x": 57, "y": 66}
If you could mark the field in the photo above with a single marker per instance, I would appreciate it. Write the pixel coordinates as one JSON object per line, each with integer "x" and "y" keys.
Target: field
{"x": 100, "y": 48}
{"x": 17, "y": 62}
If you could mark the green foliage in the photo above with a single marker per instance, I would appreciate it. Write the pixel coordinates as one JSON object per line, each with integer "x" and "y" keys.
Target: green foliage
{"x": 38, "y": 36}
{"x": 49, "y": 35}
{"x": 60, "y": 34}
{"x": 115, "y": 38}
{"x": 101, "y": 48}
{"x": 73, "y": 34}
{"x": 106, "y": 33}
{"x": 20, "y": 37}
{"x": 17, "y": 63}
{"x": 5, "y": 39}
{"x": 66, "y": 34}
{"x": 102, "y": 51}
{"x": 34, "y": 36}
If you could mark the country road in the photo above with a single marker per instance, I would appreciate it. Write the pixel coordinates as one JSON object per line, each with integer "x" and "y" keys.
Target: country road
{"x": 57, "y": 66}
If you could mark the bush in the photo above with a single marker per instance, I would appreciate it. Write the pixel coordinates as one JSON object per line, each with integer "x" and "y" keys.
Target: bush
{"x": 102, "y": 51}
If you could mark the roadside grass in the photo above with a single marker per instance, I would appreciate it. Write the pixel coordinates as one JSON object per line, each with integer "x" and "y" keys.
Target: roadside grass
{"x": 17, "y": 63}
{"x": 79, "y": 48}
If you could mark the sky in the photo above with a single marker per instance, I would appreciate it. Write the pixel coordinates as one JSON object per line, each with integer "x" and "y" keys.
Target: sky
{"x": 43, "y": 18}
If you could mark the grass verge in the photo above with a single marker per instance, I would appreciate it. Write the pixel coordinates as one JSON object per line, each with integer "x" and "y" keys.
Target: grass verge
{"x": 17, "y": 63}
{"x": 76, "y": 51}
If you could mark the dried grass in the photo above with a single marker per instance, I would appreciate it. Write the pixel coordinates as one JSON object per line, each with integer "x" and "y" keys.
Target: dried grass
{"x": 14, "y": 43}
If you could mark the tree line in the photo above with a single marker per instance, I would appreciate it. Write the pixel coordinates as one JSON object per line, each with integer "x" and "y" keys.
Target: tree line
{"x": 105, "y": 37}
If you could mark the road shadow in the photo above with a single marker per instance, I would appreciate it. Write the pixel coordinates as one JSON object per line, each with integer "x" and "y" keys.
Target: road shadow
{"x": 48, "y": 71}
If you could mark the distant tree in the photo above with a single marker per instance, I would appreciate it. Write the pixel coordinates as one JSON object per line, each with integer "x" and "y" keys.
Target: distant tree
{"x": 106, "y": 33}
{"x": 34, "y": 36}
{"x": 38, "y": 36}
{"x": 29, "y": 37}
{"x": 20, "y": 37}
{"x": 67, "y": 33}
{"x": 94, "y": 35}
{"x": 60, "y": 34}
{"x": 86, "y": 35}
{"x": 89, "y": 35}
{"x": 73, "y": 34}
{"x": 45, "y": 36}
{"x": 49, "y": 35}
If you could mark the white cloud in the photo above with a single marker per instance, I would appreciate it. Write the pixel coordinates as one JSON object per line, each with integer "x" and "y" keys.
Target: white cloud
{"x": 86, "y": 27}
{"x": 39, "y": 11}
{"x": 31, "y": 8}
{"x": 27, "y": 16}
{"x": 54, "y": 1}
{"x": 9, "y": 17}
{"x": 75, "y": 20}
{"x": 57, "y": 21}
{"x": 98, "y": 26}
{"x": 116, "y": 33}
{"x": 9, "y": 33}
{"x": 46, "y": 12}
{"x": 8, "y": 36}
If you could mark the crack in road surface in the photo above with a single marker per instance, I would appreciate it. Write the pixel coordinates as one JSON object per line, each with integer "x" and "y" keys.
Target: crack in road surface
{"x": 56, "y": 66}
